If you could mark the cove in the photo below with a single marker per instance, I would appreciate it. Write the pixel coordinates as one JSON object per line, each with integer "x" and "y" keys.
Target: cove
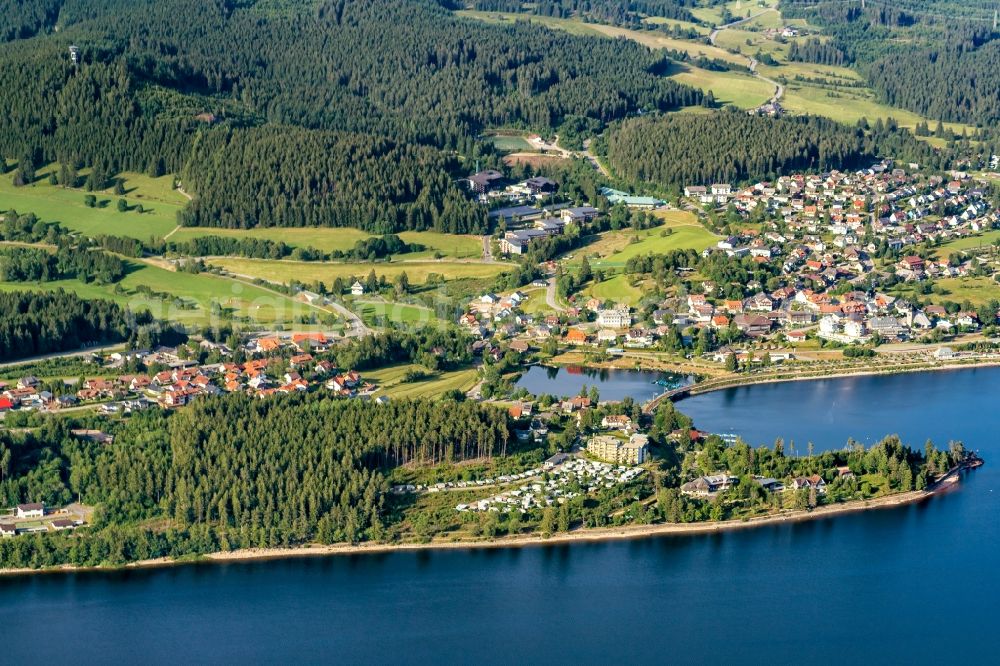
{"x": 613, "y": 385}
{"x": 915, "y": 584}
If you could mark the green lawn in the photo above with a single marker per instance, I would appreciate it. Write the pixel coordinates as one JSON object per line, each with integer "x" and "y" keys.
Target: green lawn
{"x": 56, "y": 204}
{"x": 615, "y": 289}
{"x": 187, "y": 297}
{"x": 455, "y": 246}
{"x": 612, "y": 249}
{"x": 977, "y": 291}
{"x": 736, "y": 88}
{"x": 968, "y": 243}
{"x": 343, "y": 238}
{"x": 650, "y": 242}
{"x": 535, "y": 305}
{"x": 417, "y": 271}
{"x": 510, "y": 143}
{"x": 403, "y": 313}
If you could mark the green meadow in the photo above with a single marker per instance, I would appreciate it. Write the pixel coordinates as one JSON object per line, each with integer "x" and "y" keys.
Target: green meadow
{"x": 184, "y": 298}
{"x": 52, "y": 203}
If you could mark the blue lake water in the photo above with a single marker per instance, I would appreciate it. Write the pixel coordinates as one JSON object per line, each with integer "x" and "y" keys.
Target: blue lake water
{"x": 916, "y": 584}
{"x": 612, "y": 385}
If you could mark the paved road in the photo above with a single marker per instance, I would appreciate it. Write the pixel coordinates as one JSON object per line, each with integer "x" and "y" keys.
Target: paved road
{"x": 594, "y": 162}
{"x": 67, "y": 354}
{"x": 715, "y": 33}
{"x": 354, "y": 326}
{"x": 487, "y": 254}
{"x": 779, "y": 90}
{"x": 550, "y": 296}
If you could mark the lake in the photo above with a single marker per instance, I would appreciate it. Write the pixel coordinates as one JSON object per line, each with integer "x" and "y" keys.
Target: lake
{"x": 613, "y": 385}
{"x": 916, "y": 584}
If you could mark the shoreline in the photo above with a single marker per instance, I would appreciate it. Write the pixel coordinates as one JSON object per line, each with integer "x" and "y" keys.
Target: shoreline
{"x": 863, "y": 372}
{"x": 580, "y": 535}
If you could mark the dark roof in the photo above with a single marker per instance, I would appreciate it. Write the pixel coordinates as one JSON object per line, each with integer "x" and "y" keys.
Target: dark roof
{"x": 485, "y": 177}
{"x": 34, "y": 506}
{"x": 582, "y": 211}
{"x": 540, "y": 182}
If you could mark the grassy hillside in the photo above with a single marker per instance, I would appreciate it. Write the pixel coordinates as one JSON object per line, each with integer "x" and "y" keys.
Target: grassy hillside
{"x": 52, "y": 203}
{"x": 186, "y": 298}
{"x": 417, "y": 271}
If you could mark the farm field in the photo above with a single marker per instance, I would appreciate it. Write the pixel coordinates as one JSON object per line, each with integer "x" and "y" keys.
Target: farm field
{"x": 656, "y": 40}
{"x": 330, "y": 239}
{"x": 571, "y": 26}
{"x": 845, "y": 105}
{"x": 184, "y": 298}
{"x": 391, "y": 382}
{"x": 738, "y": 8}
{"x": 52, "y": 203}
{"x": 849, "y": 106}
{"x": 327, "y": 272}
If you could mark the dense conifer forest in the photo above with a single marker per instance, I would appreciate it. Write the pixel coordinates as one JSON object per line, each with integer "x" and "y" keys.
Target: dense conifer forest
{"x": 28, "y": 264}
{"x": 233, "y": 472}
{"x": 41, "y": 323}
{"x": 678, "y": 150}
{"x": 319, "y": 112}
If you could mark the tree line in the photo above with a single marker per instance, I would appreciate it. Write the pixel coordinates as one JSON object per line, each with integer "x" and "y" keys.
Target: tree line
{"x": 815, "y": 50}
{"x": 33, "y": 323}
{"x": 733, "y": 146}
{"x": 30, "y": 264}
{"x": 614, "y": 12}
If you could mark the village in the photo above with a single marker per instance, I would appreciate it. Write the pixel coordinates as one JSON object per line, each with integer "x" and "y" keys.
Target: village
{"x": 276, "y": 364}
{"x": 850, "y": 254}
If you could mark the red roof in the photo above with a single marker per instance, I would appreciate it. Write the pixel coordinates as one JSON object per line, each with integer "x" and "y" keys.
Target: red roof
{"x": 5, "y": 403}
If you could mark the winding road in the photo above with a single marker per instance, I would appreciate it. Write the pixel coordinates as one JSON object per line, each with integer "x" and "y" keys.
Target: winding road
{"x": 584, "y": 154}
{"x": 779, "y": 90}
